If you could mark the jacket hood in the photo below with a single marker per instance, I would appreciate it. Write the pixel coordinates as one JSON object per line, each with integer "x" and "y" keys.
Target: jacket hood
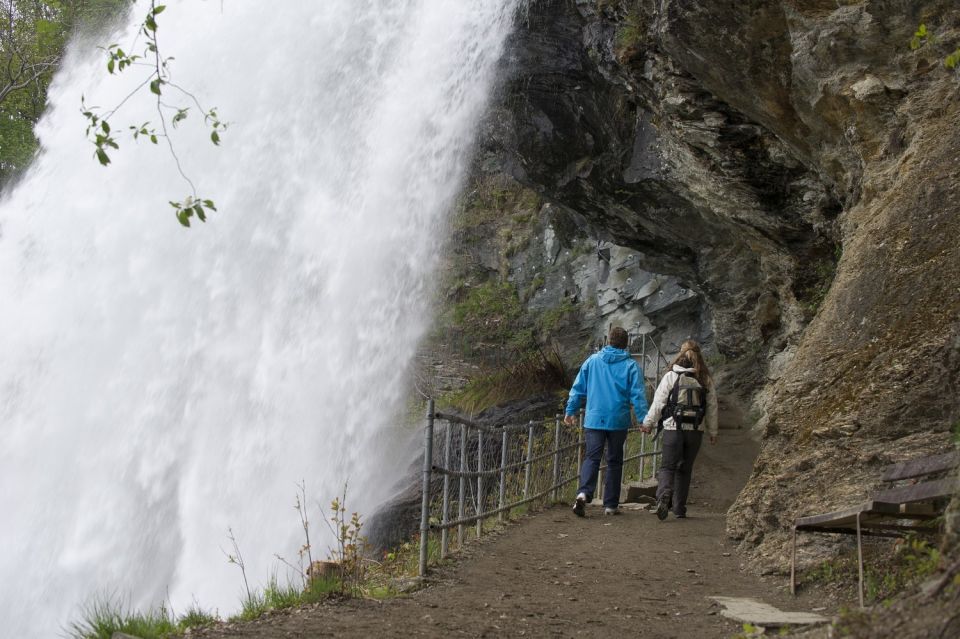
{"x": 680, "y": 369}
{"x": 612, "y": 355}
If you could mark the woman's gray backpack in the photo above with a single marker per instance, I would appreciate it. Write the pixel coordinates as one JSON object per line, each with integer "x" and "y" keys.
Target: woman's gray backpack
{"x": 686, "y": 403}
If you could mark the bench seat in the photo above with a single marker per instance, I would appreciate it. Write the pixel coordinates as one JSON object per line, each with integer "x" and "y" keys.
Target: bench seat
{"x": 891, "y": 512}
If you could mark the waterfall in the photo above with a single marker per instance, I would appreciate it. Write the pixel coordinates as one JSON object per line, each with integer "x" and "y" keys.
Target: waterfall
{"x": 159, "y": 385}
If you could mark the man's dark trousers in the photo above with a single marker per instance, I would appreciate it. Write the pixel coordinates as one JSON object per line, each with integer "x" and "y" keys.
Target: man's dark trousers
{"x": 680, "y": 448}
{"x": 595, "y": 440}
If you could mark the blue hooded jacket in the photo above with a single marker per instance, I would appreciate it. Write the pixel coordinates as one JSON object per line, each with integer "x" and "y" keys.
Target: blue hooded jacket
{"x": 612, "y": 381}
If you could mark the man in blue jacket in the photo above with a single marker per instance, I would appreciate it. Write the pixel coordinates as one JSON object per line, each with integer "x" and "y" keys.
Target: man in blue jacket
{"x": 612, "y": 383}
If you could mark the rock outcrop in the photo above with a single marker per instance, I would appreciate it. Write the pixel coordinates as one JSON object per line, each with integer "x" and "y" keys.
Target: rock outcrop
{"x": 793, "y": 165}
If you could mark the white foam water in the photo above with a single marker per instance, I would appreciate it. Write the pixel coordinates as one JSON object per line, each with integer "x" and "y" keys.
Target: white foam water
{"x": 160, "y": 385}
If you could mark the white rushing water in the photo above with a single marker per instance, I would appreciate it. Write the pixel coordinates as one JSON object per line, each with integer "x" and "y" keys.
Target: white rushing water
{"x": 160, "y": 385}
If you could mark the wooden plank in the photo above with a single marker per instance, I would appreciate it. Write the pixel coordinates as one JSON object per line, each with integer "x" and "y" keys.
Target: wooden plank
{"x": 922, "y": 466}
{"x": 840, "y": 517}
{"x": 871, "y": 512}
{"x": 925, "y": 491}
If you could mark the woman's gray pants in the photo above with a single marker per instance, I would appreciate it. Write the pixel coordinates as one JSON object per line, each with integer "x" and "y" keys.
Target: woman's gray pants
{"x": 680, "y": 448}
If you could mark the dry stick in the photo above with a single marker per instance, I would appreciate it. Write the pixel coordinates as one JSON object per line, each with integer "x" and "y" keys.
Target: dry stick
{"x": 305, "y": 522}
{"x": 238, "y": 560}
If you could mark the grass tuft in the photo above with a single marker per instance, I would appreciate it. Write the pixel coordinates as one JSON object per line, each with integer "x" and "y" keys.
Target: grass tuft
{"x": 103, "y": 617}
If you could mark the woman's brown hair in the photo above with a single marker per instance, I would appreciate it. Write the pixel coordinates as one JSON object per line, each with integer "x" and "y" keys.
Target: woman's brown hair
{"x": 691, "y": 357}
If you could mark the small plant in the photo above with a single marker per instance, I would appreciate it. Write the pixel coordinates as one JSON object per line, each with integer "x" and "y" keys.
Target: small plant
{"x": 924, "y": 36}
{"x": 196, "y": 617}
{"x": 921, "y": 37}
{"x": 237, "y": 559}
{"x": 348, "y": 553}
{"x": 749, "y": 631}
{"x": 106, "y": 616}
{"x": 630, "y": 33}
{"x": 305, "y": 552}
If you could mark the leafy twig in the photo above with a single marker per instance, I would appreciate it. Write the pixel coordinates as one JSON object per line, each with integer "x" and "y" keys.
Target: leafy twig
{"x": 99, "y": 129}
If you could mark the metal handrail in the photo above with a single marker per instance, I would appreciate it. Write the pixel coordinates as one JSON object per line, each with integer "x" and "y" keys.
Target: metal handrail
{"x": 519, "y": 471}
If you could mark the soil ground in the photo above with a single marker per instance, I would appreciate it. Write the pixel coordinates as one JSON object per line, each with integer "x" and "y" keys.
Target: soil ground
{"x": 556, "y": 575}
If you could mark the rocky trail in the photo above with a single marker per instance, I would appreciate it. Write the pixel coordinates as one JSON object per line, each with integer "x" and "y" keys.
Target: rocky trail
{"x": 553, "y": 574}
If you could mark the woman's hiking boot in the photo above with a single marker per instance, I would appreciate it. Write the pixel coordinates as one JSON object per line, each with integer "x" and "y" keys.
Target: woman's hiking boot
{"x": 579, "y": 505}
{"x": 663, "y": 506}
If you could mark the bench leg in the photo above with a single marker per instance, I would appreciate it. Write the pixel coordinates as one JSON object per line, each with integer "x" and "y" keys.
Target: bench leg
{"x": 860, "y": 559}
{"x": 793, "y": 564}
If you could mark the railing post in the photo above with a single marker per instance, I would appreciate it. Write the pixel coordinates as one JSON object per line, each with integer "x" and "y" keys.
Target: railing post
{"x": 599, "y": 494}
{"x": 445, "y": 533}
{"x": 643, "y": 450}
{"x": 582, "y": 441}
{"x": 479, "y": 482}
{"x": 643, "y": 360}
{"x": 503, "y": 475}
{"x": 461, "y": 506}
{"x": 425, "y": 503}
{"x": 556, "y": 459}
{"x": 657, "y": 447}
{"x": 526, "y": 476}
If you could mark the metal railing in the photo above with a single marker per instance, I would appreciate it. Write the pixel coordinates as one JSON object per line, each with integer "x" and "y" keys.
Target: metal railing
{"x": 535, "y": 464}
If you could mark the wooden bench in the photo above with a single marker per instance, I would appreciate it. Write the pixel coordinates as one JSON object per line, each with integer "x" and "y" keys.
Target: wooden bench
{"x": 890, "y": 512}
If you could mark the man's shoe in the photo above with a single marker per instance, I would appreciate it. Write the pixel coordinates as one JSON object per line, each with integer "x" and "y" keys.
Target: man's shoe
{"x": 579, "y": 505}
{"x": 611, "y": 511}
{"x": 681, "y": 516}
{"x": 663, "y": 506}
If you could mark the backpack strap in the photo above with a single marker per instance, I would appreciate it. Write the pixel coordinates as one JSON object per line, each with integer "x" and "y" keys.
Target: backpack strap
{"x": 672, "y": 398}
{"x": 673, "y": 404}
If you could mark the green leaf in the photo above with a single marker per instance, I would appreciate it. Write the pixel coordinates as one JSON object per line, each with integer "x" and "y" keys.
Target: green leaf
{"x": 150, "y": 22}
{"x": 952, "y": 60}
{"x": 209, "y": 204}
{"x": 183, "y": 215}
{"x": 200, "y": 214}
{"x": 155, "y": 86}
{"x": 153, "y": 138}
{"x": 110, "y": 65}
{"x": 105, "y": 126}
{"x": 159, "y": 9}
{"x": 103, "y": 157}
{"x": 215, "y": 137}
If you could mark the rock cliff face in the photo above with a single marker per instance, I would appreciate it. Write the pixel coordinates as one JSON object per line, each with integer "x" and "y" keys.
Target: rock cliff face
{"x": 793, "y": 165}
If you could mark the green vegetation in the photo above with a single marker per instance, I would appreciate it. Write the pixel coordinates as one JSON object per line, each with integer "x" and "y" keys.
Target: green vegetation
{"x": 352, "y": 577}
{"x": 159, "y": 80}
{"x": 276, "y": 596}
{"x": 106, "y": 616}
{"x": 33, "y": 36}
{"x": 923, "y": 37}
{"x": 537, "y": 372}
{"x": 631, "y": 469}
{"x": 630, "y": 32}
{"x": 490, "y": 314}
{"x": 909, "y": 562}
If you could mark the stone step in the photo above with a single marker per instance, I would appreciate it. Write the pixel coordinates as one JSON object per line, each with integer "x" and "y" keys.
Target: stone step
{"x": 757, "y": 613}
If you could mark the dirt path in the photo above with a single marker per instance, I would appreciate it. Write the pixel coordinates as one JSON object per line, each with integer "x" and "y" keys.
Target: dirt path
{"x": 555, "y": 575}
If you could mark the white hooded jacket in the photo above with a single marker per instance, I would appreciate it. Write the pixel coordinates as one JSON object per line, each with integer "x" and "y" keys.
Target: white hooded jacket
{"x": 662, "y": 395}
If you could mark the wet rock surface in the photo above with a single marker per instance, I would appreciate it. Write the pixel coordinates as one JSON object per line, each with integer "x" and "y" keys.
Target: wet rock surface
{"x": 791, "y": 165}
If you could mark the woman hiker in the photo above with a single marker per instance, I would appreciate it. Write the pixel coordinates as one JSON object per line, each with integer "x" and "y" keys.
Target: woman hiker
{"x": 686, "y": 404}
{"x": 611, "y": 382}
